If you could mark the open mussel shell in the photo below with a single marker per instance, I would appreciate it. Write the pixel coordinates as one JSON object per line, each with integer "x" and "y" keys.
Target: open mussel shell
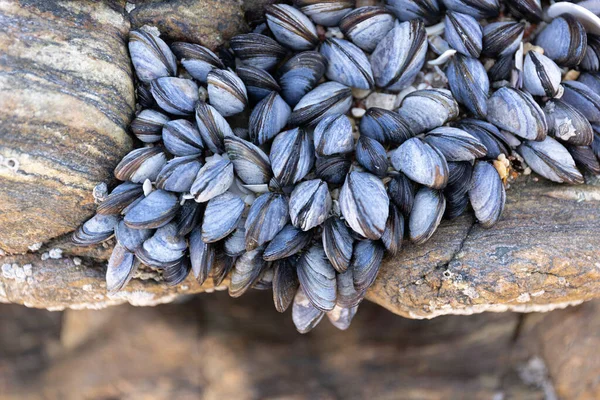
{"x": 456, "y": 193}
{"x": 424, "y": 110}
{"x": 95, "y": 230}
{"x": 337, "y": 243}
{"x": 197, "y": 60}
{"x": 567, "y": 124}
{"x": 401, "y": 192}
{"x": 292, "y": 156}
{"x": 333, "y": 135}
{"x": 285, "y": 283}
{"x": 421, "y": 162}
{"x": 325, "y": 12}
{"x": 365, "y": 263}
{"x": 181, "y": 138}
{"x": 399, "y": 56}
{"x": 455, "y": 144}
{"x": 257, "y": 50}
{"x": 333, "y": 169}
{"x": 584, "y": 99}
{"x": 341, "y": 317}
{"x": 518, "y": 113}
{"x": 347, "y": 295}
{"x": 141, "y": 164}
{"x": 226, "y": 92}
{"x": 175, "y": 95}
{"x": 364, "y": 204}
{"x": 267, "y": 216}
{"x": 291, "y": 28}
{"x": 131, "y": 239}
{"x": 394, "y": 231}
{"x": 121, "y": 196}
{"x": 488, "y": 135}
{"x": 122, "y": 265}
{"x": 317, "y": 277}
{"x": 541, "y": 75}
{"x": 463, "y": 33}
{"x": 259, "y": 83}
{"x": 173, "y": 275}
{"x": 502, "y": 38}
{"x": 347, "y": 64}
{"x": 372, "y": 156}
{"x": 585, "y": 158}
{"x": 469, "y": 83}
{"x": 591, "y": 59}
{"x": 246, "y": 272}
{"x": 429, "y": 11}
{"x": 151, "y": 56}
{"x": 202, "y": 255}
{"x": 251, "y": 164}
{"x": 289, "y": 241}
{"x": 212, "y": 126}
{"x": 221, "y": 217}
{"x": 305, "y": 316}
{"x": 310, "y": 203}
{"x": 551, "y": 160}
{"x": 154, "y": 211}
{"x": 268, "y": 118}
{"x": 178, "y": 174}
{"x": 426, "y": 214}
{"x": 300, "y": 74}
{"x": 148, "y": 124}
{"x": 328, "y": 98}
{"x": 164, "y": 249}
{"x": 213, "y": 179}
{"x": 366, "y": 26}
{"x": 564, "y": 40}
{"x": 487, "y": 194}
{"x": 385, "y": 126}
{"x": 531, "y": 10}
{"x": 478, "y": 9}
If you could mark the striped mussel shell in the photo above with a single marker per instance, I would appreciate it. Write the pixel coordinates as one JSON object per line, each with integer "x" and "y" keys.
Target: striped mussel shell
{"x": 151, "y": 56}
{"x": 285, "y": 284}
{"x": 144, "y": 96}
{"x": 421, "y": 162}
{"x": 197, "y": 60}
{"x": 372, "y": 156}
{"x": 292, "y": 156}
{"x": 456, "y": 193}
{"x": 401, "y": 192}
{"x": 463, "y": 33}
{"x": 399, "y": 56}
{"x": 567, "y": 124}
{"x": 333, "y": 169}
{"x": 551, "y": 160}
{"x": 120, "y": 197}
{"x": 175, "y": 95}
{"x": 347, "y": 295}
{"x": 585, "y": 158}
{"x": 95, "y": 230}
{"x": 328, "y": 98}
{"x": 591, "y": 59}
{"x": 455, "y": 144}
{"x": 333, "y": 135}
{"x": 502, "y": 38}
{"x": 226, "y": 92}
{"x": 427, "y": 212}
{"x": 591, "y": 80}
{"x": 257, "y": 50}
{"x": 304, "y": 315}
{"x": 385, "y": 126}
{"x": 394, "y": 231}
{"x": 347, "y": 64}
{"x": 141, "y": 164}
{"x": 429, "y": 11}
{"x": 289, "y": 241}
{"x": 300, "y": 74}
{"x": 583, "y": 98}
{"x": 153, "y": 211}
{"x": 182, "y": 138}
{"x": 259, "y": 83}
{"x": 214, "y": 178}
{"x": 221, "y": 216}
{"x": 268, "y": 118}
{"x": 325, "y": 12}
{"x": 148, "y": 124}
{"x": 163, "y": 249}
{"x": 251, "y": 164}
{"x": 478, "y": 9}
{"x": 366, "y": 260}
{"x": 564, "y": 41}
{"x": 129, "y": 238}
{"x": 121, "y": 267}
{"x": 291, "y": 27}
{"x": 212, "y": 126}
{"x": 178, "y": 174}
{"x": 531, "y": 10}
{"x": 541, "y": 75}
{"x": 493, "y": 140}
{"x": 487, "y": 194}
{"x": 202, "y": 255}
{"x": 188, "y": 217}
{"x": 518, "y": 113}
{"x": 175, "y": 274}
{"x": 337, "y": 243}
{"x": 366, "y": 26}
{"x": 317, "y": 277}
{"x": 469, "y": 83}
{"x": 503, "y": 68}
{"x": 309, "y": 204}
{"x": 424, "y": 110}
{"x": 246, "y": 272}
{"x": 267, "y": 216}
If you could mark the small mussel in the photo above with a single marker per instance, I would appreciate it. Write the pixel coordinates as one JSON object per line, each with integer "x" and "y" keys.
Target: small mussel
{"x": 347, "y": 64}
{"x": 502, "y": 38}
{"x": 175, "y": 95}
{"x": 493, "y": 140}
{"x": 300, "y": 74}
{"x": 591, "y": 60}
{"x": 121, "y": 267}
{"x": 421, "y": 162}
{"x": 164, "y": 249}
{"x": 424, "y": 110}
{"x": 564, "y": 40}
{"x": 178, "y": 174}
{"x": 257, "y": 50}
{"x": 304, "y": 314}
{"x": 469, "y": 83}
{"x": 155, "y": 210}
{"x": 551, "y": 160}
{"x": 267, "y": 216}
{"x": 285, "y": 284}
{"x": 121, "y": 197}
{"x": 455, "y": 144}
{"x": 251, "y": 164}
{"x": 246, "y": 272}
{"x": 141, "y": 164}
{"x": 259, "y": 83}
{"x": 333, "y": 169}
{"x": 584, "y": 99}
{"x": 401, "y": 192}
{"x": 456, "y": 193}
{"x": 487, "y": 194}
{"x": 151, "y": 56}
{"x": 567, "y": 124}
{"x": 95, "y": 230}
{"x": 289, "y": 241}
{"x": 333, "y": 135}
{"x": 181, "y": 138}
{"x": 463, "y": 33}
{"x": 541, "y": 76}
{"x": 394, "y": 231}
{"x": 385, "y": 126}
{"x": 516, "y": 112}
{"x": 148, "y": 124}
{"x": 429, "y": 11}
{"x": 326, "y": 99}
{"x": 531, "y": 10}
{"x": 213, "y": 179}
{"x": 221, "y": 217}
{"x": 366, "y": 26}
{"x": 366, "y": 260}
{"x": 585, "y": 158}
{"x": 292, "y": 156}
{"x": 325, "y": 12}
{"x": 197, "y": 60}
{"x": 291, "y": 27}
{"x": 310, "y": 203}
{"x": 226, "y": 92}
{"x": 212, "y": 126}
{"x": 478, "y": 9}
{"x": 268, "y": 118}
{"x": 337, "y": 243}
{"x": 372, "y": 156}
{"x": 317, "y": 277}
{"x": 426, "y": 214}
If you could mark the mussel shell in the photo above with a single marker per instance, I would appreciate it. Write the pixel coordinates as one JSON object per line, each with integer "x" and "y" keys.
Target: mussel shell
{"x": 531, "y": 10}
{"x": 402, "y": 193}
{"x": 150, "y": 56}
{"x": 148, "y": 124}
{"x": 221, "y": 217}
{"x": 304, "y": 314}
{"x": 141, "y": 164}
{"x": 455, "y": 144}
{"x": 585, "y": 158}
{"x": 424, "y": 110}
{"x": 226, "y": 92}
{"x": 328, "y": 98}
{"x": 235, "y": 244}
{"x": 325, "y": 12}
{"x": 291, "y": 28}
{"x": 341, "y": 317}
{"x": 394, "y": 231}
{"x": 421, "y": 162}
{"x": 463, "y": 33}
{"x": 95, "y": 230}
{"x": 285, "y": 283}
{"x": 181, "y": 138}
{"x": 502, "y": 68}
{"x": 289, "y": 241}
{"x": 257, "y": 50}
{"x": 469, "y": 83}
{"x": 399, "y": 56}
{"x": 564, "y": 40}
{"x": 567, "y": 124}
{"x": 175, "y": 274}
{"x": 300, "y": 74}
{"x": 366, "y": 26}
{"x": 427, "y": 212}
{"x": 129, "y": 238}
{"x": 310, "y": 203}
{"x": 188, "y": 217}
{"x": 178, "y": 174}
{"x": 385, "y": 126}
{"x": 517, "y": 112}
{"x": 478, "y": 9}
{"x": 212, "y": 126}
{"x": 347, "y": 295}
{"x": 337, "y": 243}
{"x": 259, "y": 83}
{"x": 405, "y": 10}
{"x": 347, "y": 64}
{"x": 175, "y": 95}
{"x": 144, "y": 96}
{"x": 251, "y": 164}
{"x": 333, "y": 135}
{"x": 268, "y": 118}
{"x": 456, "y": 193}
{"x": 122, "y": 265}
{"x": 502, "y": 38}
{"x": 202, "y": 255}
{"x": 292, "y": 156}
{"x": 121, "y": 196}
{"x": 551, "y": 160}
{"x": 222, "y": 266}
{"x": 366, "y": 260}
{"x": 164, "y": 249}
{"x": 246, "y": 272}
{"x": 364, "y": 204}
{"x": 487, "y": 194}
{"x": 333, "y": 169}
{"x": 213, "y": 179}
{"x": 591, "y": 59}
{"x": 541, "y": 76}
{"x": 317, "y": 277}
{"x": 154, "y": 211}
{"x": 371, "y": 155}
{"x": 584, "y": 99}
{"x": 267, "y": 216}
{"x": 488, "y": 135}
{"x": 197, "y": 60}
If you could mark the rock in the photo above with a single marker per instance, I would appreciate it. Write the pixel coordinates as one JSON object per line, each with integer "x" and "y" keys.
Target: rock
{"x": 66, "y": 98}
{"x": 542, "y": 255}
{"x": 206, "y": 22}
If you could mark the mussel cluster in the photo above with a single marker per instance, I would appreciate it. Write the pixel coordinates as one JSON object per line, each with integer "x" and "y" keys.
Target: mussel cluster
{"x": 249, "y": 167}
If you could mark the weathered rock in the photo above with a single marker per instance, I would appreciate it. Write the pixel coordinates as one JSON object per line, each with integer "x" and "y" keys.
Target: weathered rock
{"x": 205, "y": 22}
{"x": 66, "y": 97}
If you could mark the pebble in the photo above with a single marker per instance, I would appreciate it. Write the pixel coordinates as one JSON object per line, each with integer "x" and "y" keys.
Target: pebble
{"x": 360, "y": 93}
{"x": 35, "y": 246}
{"x": 381, "y": 100}
{"x": 76, "y": 260}
{"x": 571, "y": 75}
{"x": 334, "y": 32}
{"x": 202, "y": 93}
{"x": 358, "y": 112}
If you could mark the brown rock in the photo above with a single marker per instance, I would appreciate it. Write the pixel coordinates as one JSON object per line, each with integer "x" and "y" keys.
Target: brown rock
{"x": 66, "y": 97}
{"x": 206, "y": 22}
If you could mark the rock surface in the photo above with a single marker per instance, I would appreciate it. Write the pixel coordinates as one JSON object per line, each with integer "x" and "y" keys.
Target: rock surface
{"x": 66, "y": 97}
{"x": 543, "y": 254}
